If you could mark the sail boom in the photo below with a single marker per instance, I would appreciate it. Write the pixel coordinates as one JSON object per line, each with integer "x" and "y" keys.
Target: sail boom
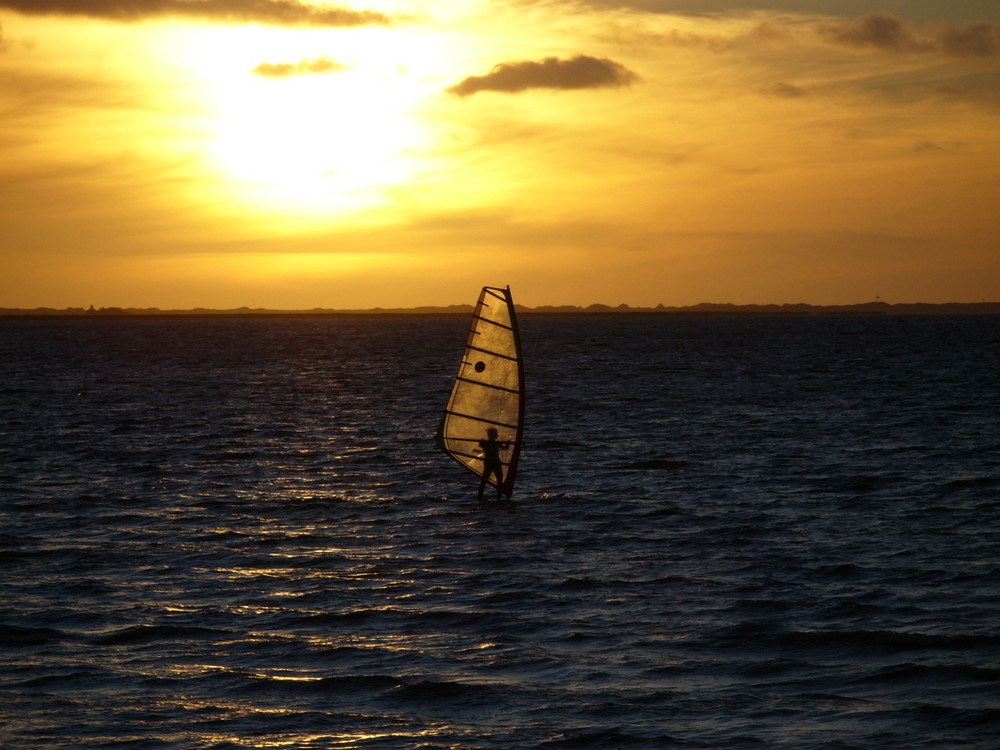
{"x": 475, "y": 456}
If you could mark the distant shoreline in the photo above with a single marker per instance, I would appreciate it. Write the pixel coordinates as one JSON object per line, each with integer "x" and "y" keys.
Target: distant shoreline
{"x": 705, "y": 308}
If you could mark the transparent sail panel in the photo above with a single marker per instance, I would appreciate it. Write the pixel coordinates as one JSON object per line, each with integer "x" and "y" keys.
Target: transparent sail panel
{"x": 488, "y": 391}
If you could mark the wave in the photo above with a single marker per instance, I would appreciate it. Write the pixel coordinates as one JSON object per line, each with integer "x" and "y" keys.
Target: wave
{"x": 654, "y": 464}
{"x": 157, "y": 633}
{"x": 81, "y": 679}
{"x": 924, "y": 675}
{"x": 351, "y": 683}
{"x": 451, "y": 693}
{"x": 15, "y": 636}
{"x": 885, "y": 642}
{"x": 892, "y": 642}
{"x": 610, "y": 739}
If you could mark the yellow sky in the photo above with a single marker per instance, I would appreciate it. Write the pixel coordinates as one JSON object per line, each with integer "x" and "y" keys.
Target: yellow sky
{"x": 183, "y": 153}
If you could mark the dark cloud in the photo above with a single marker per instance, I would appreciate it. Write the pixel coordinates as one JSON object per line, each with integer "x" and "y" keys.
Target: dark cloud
{"x": 948, "y": 90}
{"x": 273, "y": 12}
{"x": 937, "y": 147}
{"x": 763, "y": 33}
{"x": 580, "y": 72}
{"x": 975, "y": 40}
{"x": 923, "y": 11}
{"x": 301, "y": 68}
{"x": 892, "y": 34}
{"x": 874, "y": 31}
{"x": 782, "y": 90}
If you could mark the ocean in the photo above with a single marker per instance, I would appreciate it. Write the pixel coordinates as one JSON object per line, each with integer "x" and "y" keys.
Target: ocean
{"x": 728, "y": 532}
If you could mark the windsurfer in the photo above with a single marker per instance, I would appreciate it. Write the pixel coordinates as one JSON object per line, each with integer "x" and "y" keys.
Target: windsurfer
{"x": 492, "y": 464}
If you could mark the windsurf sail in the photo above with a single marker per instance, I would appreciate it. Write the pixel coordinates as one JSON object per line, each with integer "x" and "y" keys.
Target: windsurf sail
{"x": 488, "y": 392}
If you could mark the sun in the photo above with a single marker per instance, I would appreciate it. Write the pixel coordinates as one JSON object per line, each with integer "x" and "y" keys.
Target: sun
{"x": 331, "y": 134}
{"x": 314, "y": 142}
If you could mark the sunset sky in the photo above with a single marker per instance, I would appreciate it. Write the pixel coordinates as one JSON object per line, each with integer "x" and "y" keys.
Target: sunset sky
{"x": 292, "y": 155}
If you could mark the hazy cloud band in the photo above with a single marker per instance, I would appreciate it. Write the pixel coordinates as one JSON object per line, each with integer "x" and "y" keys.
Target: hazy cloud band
{"x": 892, "y": 34}
{"x": 273, "y": 12}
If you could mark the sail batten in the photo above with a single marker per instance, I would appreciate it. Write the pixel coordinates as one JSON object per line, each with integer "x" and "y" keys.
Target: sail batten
{"x": 490, "y": 351}
{"x": 493, "y": 322}
{"x": 485, "y": 414}
{"x": 485, "y": 420}
{"x": 488, "y": 385}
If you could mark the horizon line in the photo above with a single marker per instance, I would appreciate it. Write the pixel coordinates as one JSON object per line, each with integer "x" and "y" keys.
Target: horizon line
{"x": 877, "y": 306}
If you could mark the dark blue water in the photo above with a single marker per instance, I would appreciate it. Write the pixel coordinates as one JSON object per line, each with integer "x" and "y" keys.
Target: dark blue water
{"x": 729, "y": 533}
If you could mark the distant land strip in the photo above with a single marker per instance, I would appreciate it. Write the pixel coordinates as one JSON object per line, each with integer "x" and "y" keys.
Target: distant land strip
{"x": 704, "y": 308}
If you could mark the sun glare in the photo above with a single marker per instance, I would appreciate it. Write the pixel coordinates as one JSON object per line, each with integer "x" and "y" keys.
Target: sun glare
{"x": 323, "y": 127}
{"x": 313, "y": 143}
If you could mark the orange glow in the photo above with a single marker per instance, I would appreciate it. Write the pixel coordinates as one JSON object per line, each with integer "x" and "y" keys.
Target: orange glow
{"x": 581, "y": 154}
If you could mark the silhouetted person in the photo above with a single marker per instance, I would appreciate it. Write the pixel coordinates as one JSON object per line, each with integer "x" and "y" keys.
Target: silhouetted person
{"x": 492, "y": 465}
